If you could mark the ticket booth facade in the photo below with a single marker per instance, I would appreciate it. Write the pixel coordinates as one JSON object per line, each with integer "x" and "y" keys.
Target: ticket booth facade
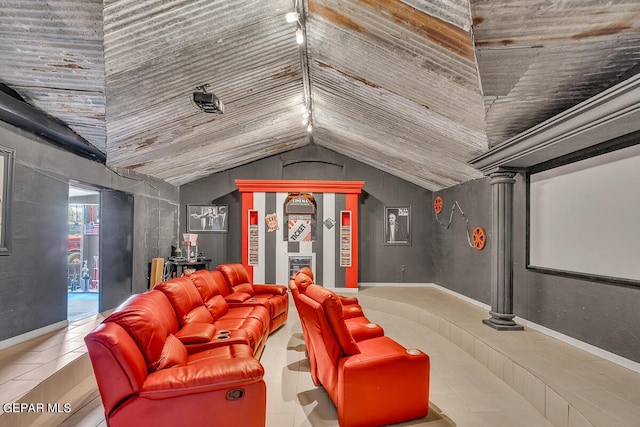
{"x": 287, "y": 225}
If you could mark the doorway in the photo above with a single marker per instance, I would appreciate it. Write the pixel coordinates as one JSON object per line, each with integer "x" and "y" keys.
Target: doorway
{"x": 83, "y": 253}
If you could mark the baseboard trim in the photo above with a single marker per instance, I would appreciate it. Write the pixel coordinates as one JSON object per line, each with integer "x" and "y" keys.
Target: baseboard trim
{"x": 404, "y": 285}
{"x": 33, "y": 334}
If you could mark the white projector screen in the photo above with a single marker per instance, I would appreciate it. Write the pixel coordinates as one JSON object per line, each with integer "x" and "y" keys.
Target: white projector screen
{"x": 584, "y": 217}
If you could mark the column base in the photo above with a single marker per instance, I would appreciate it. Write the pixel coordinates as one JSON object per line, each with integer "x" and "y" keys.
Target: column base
{"x": 503, "y": 325}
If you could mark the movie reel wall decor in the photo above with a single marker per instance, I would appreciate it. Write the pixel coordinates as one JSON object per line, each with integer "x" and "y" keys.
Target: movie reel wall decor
{"x": 437, "y": 204}
{"x": 476, "y": 239}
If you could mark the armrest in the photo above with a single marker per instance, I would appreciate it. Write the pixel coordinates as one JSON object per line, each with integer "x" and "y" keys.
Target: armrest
{"x": 196, "y": 333}
{"x": 383, "y": 361}
{"x": 348, "y": 300}
{"x": 270, "y": 289}
{"x": 202, "y": 376}
{"x": 237, "y": 297}
{"x": 384, "y": 384}
{"x": 352, "y": 310}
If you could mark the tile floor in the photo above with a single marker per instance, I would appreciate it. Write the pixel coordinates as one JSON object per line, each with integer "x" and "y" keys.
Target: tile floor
{"x": 479, "y": 377}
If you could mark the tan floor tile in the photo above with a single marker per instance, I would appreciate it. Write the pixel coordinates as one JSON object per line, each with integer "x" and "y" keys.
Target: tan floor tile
{"x": 44, "y": 371}
{"x": 10, "y": 372}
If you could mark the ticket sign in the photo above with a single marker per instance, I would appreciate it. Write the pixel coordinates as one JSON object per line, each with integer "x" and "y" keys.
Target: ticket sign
{"x": 299, "y": 230}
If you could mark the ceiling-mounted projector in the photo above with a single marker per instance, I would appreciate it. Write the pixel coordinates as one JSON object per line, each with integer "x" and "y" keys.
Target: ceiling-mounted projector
{"x": 208, "y": 102}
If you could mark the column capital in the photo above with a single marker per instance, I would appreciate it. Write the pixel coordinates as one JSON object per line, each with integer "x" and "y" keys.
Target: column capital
{"x": 502, "y": 177}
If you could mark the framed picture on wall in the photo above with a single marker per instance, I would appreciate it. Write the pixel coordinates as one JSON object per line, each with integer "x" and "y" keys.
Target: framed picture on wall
{"x": 207, "y": 218}
{"x": 6, "y": 175}
{"x": 397, "y": 225}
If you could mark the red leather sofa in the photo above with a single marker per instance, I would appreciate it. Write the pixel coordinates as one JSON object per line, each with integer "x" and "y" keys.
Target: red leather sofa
{"x": 274, "y": 297}
{"x": 373, "y": 381}
{"x": 249, "y": 324}
{"x": 146, "y": 376}
{"x": 182, "y": 354}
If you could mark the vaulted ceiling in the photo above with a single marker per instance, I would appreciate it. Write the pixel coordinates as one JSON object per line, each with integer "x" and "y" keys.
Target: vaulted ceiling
{"x": 415, "y": 88}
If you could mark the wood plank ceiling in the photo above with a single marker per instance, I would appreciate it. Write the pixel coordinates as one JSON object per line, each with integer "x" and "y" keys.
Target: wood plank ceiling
{"x": 415, "y": 88}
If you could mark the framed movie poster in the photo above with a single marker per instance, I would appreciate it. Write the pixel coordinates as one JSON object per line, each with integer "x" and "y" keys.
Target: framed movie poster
{"x": 6, "y": 175}
{"x": 397, "y": 225}
{"x": 207, "y": 218}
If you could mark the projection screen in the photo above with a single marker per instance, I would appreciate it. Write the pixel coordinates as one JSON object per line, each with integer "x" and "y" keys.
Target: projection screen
{"x": 584, "y": 217}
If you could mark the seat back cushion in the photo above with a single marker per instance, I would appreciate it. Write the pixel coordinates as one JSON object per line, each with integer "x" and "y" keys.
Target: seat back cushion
{"x": 186, "y": 300}
{"x": 333, "y": 311}
{"x": 326, "y": 351}
{"x": 209, "y": 288}
{"x": 174, "y": 353}
{"x": 303, "y": 281}
{"x": 213, "y": 280}
{"x": 237, "y": 277}
{"x": 149, "y": 319}
{"x": 306, "y": 271}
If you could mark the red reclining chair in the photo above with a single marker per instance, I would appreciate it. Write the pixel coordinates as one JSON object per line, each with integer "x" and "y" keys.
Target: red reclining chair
{"x": 146, "y": 376}
{"x": 372, "y": 382}
{"x": 275, "y": 297}
{"x": 239, "y": 323}
{"x": 350, "y": 306}
{"x": 359, "y": 325}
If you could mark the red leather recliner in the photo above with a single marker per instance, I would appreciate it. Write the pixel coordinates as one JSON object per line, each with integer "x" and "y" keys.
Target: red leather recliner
{"x": 145, "y": 374}
{"x": 372, "y": 382}
{"x": 360, "y": 327}
{"x": 350, "y": 306}
{"x": 275, "y": 297}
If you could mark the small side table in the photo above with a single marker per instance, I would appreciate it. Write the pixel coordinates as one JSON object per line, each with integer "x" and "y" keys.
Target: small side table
{"x": 178, "y": 267}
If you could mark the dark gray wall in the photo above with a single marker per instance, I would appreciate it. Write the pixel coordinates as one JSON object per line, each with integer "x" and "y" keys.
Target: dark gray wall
{"x": 377, "y": 262}
{"x": 601, "y": 314}
{"x": 33, "y": 292}
{"x": 458, "y": 266}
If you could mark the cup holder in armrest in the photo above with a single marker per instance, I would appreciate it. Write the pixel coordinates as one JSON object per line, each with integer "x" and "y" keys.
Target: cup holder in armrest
{"x": 222, "y": 337}
{"x": 371, "y": 325}
{"x": 225, "y": 332}
{"x": 252, "y": 300}
{"x": 413, "y": 351}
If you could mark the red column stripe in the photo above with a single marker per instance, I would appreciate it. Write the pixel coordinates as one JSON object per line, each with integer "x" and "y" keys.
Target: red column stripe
{"x": 351, "y": 273}
{"x": 247, "y": 205}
